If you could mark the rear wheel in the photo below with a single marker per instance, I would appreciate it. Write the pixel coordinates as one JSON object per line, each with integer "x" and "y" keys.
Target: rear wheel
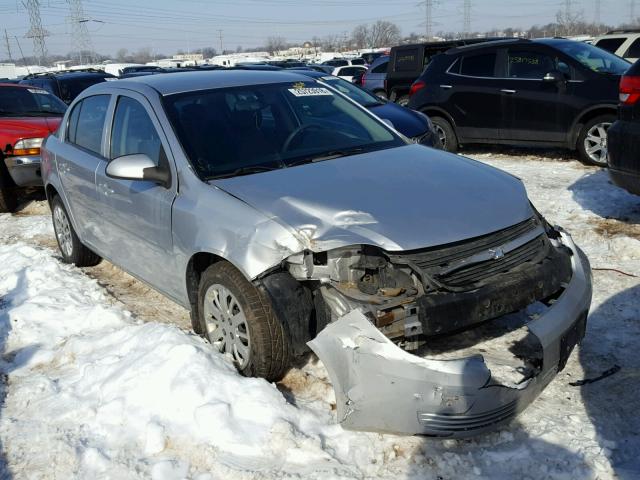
{"x": 240, "y": 322}
{"x": 445, "y": 133}
{"x": 403, "y": 100}
{"x": 381, "y": 94}
{"x": 592, "y": 142}
{"x": 72, "y": 250}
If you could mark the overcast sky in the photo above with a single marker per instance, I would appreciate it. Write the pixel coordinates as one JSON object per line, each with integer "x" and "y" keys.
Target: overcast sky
{"x": 168, "y": 25}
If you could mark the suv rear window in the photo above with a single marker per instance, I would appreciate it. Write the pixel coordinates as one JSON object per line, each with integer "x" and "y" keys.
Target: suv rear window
{"x": 478, "y": 65}
{"x": 610, "y": 44}
{"x": 408, "y": 60}
{"x": 382, "y": 68}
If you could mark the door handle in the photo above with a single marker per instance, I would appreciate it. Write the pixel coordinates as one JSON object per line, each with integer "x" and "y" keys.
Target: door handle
{"x": 446, "y": 87}
{"x": 510, "y": 92}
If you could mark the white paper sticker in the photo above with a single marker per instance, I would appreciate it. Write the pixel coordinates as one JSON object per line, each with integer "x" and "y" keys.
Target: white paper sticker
{"x": 41, "y": 92}
{"x": 310, "y": 92}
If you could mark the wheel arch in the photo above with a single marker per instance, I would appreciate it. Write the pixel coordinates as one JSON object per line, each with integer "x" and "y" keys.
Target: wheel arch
{"x": 586, "y": 116}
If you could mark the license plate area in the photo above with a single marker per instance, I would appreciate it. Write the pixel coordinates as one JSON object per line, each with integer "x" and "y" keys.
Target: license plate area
{"x": 570, "y": 339}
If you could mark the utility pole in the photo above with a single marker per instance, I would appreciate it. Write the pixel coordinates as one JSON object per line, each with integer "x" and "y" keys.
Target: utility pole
{"x": 429, "y": 18}
{"x": 596, "y": 16}
{"x": 221, "y": 44}
{"x": 81, "y": 38}
{"x": 7, "y": 45}
{"x": 36, "y": 32}
{"x": 467, "y": 17}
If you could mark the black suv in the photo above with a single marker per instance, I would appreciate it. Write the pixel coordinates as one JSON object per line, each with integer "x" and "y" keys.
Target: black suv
{"x": 624, "y": 135}
{"x": 548, "y": 92}
{"x": 66, "y": 84}
{"x": 407, "y": 62}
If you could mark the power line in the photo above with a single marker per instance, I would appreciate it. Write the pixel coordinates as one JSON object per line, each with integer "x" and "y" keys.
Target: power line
{"x": 467, "y": 16}
{"x": 429, "y": 18}
{"x": 36, "y": 32}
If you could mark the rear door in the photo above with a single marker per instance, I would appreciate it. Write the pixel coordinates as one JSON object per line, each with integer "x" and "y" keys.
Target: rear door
{"x": 78, "y": 159}
{"x": 474, "y": 97}
{"x": 136, "y": 215}
{"x": 535, "y": 110}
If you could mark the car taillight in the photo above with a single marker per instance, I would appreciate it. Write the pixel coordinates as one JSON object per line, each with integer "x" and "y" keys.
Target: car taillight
{"x": 27, "y": 146}
{"x": 629, "y": 90}
{"x": 417, "y": 85}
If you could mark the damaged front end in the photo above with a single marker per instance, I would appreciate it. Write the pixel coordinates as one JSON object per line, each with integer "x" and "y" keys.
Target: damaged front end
{"x": 448, "y": 341}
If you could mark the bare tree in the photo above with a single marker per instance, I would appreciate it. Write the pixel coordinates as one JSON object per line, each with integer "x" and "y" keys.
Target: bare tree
{"x": 121, "y": 54}
{"x": 331, "y": 43}
{"x": 569, "y": 22}
{"x": 275, "y": 44}
{"x": 383, "y": 34}
{"x": 360, "y": 36}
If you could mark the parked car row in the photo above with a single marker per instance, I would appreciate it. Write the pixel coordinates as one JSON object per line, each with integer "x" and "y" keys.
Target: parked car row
{"x": 285, "y": 216}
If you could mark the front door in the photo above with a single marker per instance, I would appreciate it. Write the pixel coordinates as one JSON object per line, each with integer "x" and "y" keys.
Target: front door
{"x": 137, "y": 214}
{"x": 535, "y": 110}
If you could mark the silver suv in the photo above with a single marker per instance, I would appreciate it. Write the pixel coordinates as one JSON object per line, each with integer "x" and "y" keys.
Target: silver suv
{"x": 282, "y": 214}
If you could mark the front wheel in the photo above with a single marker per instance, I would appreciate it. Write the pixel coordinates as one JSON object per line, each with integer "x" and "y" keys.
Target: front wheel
{"x": 381, "y": 94}
{"x": 592, "y": 142}
{"x": 240, "y": 322}
{"x": 71, "y": 248}
{"x": 446, "y": 134}
{"x": 403, "y": 101}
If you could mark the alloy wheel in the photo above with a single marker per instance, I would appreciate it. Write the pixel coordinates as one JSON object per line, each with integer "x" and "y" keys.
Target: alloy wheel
{"x": 595, "y": 143}
{"x": 442, "y": 136}
{"x": 226, "y": 324}
{"x": 63, "y": 230}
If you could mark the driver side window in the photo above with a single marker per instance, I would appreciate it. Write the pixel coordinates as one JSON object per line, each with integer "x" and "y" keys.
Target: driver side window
{"x": 133, "y": 131}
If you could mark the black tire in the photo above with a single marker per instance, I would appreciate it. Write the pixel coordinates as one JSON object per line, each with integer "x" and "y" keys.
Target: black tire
{"x": 270, "y": 346}
{"x": 443, "y": 128}
{"x": 403, "y": 101}
{"x": 8, "y": 200}
{"x": 381, "y": 94}
{"x": 584, "y": 155}
{"x": 73, "y": 252}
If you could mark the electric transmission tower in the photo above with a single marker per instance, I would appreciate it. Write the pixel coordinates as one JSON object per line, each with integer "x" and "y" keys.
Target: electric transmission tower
{"x": 597, "y": 13}
{"x": 429, "y": 18}
{"x": 36, "y": 32}
{"x": 632, "y": 11}
{"x": 7, "y": 45}
{"x": 467, "y": 16}
{"x": 81, "y": 38}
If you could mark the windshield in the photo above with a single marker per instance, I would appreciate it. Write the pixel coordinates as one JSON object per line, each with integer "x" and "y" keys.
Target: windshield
{"x": 594, "y": 58}
{"x": 29, "y": 102}
{"x": 243, "y": 130}
{"x": 356, "y": 94}
{"x": 70, "y": 89}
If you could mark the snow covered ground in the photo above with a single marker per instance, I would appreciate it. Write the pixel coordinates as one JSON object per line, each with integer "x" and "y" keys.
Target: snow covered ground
{"x": 101, "y": 378}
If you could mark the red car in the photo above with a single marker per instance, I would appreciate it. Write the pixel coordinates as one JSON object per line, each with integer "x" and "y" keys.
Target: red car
{"x": 27, "y": 116}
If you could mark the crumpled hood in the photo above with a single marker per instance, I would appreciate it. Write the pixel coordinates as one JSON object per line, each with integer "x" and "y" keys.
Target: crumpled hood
{"x": 397, "y": 199}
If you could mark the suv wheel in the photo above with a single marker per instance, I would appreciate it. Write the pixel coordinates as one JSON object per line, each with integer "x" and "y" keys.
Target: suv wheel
{"x": 445, "y": 133}
{"x": 592, "y": 142}
{"x": 403, "y": 101}
{"x": 8, "y": 200}
{"x": 72, "y": 250}
{"x": 240, "y": 322}
{"x": 381, "y": 94}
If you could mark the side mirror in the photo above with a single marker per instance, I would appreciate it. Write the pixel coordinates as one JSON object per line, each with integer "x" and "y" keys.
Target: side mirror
{"x": 138, "y": 167}
{"x": 554, "y": 77}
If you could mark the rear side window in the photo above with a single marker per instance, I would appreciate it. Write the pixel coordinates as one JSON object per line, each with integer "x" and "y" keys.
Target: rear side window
{"x": 408, "y": 60}
{"x": 351, "y": 71}
{"x": 634, "y": 50}
{"x": 479, "y": 65}
{"x": 72, "y": 125}
{"x": 358, "y": 61}
{"x": 133, "y": 131}
{"x": 529, "y": 64}
{"x": 86, "y": 131}
{"x": 610, "y": 44}
{"x": 382, "y": 68}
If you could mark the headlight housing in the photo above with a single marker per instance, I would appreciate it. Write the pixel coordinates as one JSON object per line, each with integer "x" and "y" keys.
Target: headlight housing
{"x": 28, "y": 146}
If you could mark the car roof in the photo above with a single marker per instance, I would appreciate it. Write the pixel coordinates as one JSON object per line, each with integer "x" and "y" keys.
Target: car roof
{"x": 173, "y": 83}
{"x": 14, "y": 85}
{"x": 310, "y": 73}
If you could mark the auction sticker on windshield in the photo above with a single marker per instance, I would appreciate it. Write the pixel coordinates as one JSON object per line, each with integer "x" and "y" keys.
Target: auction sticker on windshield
{"x": 310, "y": 92}
{"x": 41, "y": 92}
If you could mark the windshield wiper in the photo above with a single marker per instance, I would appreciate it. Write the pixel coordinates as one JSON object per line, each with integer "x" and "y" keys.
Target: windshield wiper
{"x": 244, "y": 171}
{"x": 327, "y": 156}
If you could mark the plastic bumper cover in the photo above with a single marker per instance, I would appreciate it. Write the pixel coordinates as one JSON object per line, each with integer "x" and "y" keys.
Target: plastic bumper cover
{"x": 25, "y": 171}
{"x": 380, "y": 387}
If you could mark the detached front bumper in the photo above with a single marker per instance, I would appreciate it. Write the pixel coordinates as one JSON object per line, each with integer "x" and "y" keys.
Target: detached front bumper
{"x": 25, "y": 171}
{"x": 380, "y": 387}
